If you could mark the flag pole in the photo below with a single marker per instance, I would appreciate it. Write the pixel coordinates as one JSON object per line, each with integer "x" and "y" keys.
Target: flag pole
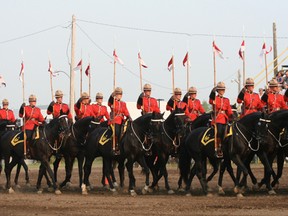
{"x": 244, "y": 60}
{"x": 187, "y": 67}
{"x": 214, "y": 102}
{"x": 140, "y": 67}
{"x": 266, "y": 67}
{"x": 113, "y": 113}
{"x": 81, "y": 75}
{"x": 89, "y": 77}
{"x": 173, "y": 73}
{"x": 23, "y": 98}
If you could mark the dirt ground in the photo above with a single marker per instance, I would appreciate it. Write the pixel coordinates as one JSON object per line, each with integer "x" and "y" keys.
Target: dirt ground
{"x": 99, "y": 201}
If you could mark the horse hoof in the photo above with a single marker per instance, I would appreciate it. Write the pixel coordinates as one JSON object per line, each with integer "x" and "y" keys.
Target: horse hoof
{"x": 50, "y": 189}
{"x": 171, "y": 192}
{"x": 272, "y": 192}
{"x": 221, "y": 191}
{"x": 90, "y": 187}
{"x": 209, "y": 195}
{"x": 11, "y": 191}
{"x": 240, "y": 195}
{"x": 114, "y": 191}
{"x": 115, "y": 184}
{"x": 133, "y": 193}
{"x": 40, "y": 191}
{"x": 188, "y": 194}
{"x": 181, "y": 189}
{"x": 84, "y": 189}
{"x": 145, "y": 190}
{"x": 255, "y": 187}
{"x": 150, "y": 190}
{"x": 276, "y": 186}
{"x": 58, "y": 192}
{"x": 236, "y": 190}
{"x": 68, "y": 185}
{"x": 17, "y": 186}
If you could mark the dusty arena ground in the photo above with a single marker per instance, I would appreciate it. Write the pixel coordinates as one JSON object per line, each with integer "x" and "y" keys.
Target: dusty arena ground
{"x": 99, "y": 201}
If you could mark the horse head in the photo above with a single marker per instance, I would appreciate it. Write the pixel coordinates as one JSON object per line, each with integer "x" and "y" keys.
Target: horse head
{"x": 156, "y": 125}
{"x": 60, "y": 124}
{"x": 256, "y": 124}
{"x": 177, "y": 120}
{"x": 279, "y": 122}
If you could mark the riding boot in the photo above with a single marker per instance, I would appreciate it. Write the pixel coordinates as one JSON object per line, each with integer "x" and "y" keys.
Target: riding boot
{"x": 116, "y": 151}
{"x": 219, "y": 152}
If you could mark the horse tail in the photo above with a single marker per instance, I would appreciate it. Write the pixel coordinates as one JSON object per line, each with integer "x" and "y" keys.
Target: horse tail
{"x": 184, "y": 163}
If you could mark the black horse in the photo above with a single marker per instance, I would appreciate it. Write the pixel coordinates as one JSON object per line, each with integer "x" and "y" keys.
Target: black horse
{"x": 275, "y": 145}
{"x": 74, "y": 146}
{"x": 248, "y": 138}
{"x": 40, "y": 149}
{"x": 199, "y": 147}
{"x": 167, "y": 143}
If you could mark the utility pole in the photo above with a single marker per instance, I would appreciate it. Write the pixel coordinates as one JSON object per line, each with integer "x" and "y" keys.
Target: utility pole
{"x": 72, "y": 65}
{"x": 275, "y": 50}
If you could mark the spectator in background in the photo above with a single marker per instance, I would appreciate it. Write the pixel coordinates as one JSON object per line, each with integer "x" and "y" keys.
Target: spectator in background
{"x": 285, "y": 78}
{"x": 280, "y": 78}
{"x": 261, "y": 92}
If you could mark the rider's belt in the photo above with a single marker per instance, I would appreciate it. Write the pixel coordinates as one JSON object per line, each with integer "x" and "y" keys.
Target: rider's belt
{"x": 223, "y": 112}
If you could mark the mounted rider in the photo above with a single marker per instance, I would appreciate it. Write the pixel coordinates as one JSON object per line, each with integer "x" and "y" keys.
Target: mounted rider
{"x": 175, "y": 102}
{"x": 82, "y": 107}
{"x": 194, "y": 105}
{"x": 250, "y": 100}
{"x": 32, "y": 116}
{"x": 147, "y": 103}
{"x": 100, "y": 111}
{"x": 6, "y": 113}
{"x": 272, "y": 98}
{"x": 119, "y": 112}
{"x": 222, "y": 112}
{"x": 59, "y": 108}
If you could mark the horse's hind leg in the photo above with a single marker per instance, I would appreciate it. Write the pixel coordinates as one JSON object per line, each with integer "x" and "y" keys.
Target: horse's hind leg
{"x": 201, "y": 175}
{"x": 129, "y": 166}
{"x": 8, "y": 170}
{"x": 214, "y": 163}
{"x": 68, "y": 170}
{"x": 267, "y": 172}
{"x": 107, "y": 165}
{"x": 17, "y": 175}
{"x": 41, "y": 172}
{"x": 121, "y": 169}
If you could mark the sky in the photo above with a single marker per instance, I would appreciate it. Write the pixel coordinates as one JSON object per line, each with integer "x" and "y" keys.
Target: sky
{"x": 95, "y": 43}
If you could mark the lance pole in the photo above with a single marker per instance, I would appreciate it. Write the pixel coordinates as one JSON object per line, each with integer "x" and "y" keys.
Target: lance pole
{"x": 187, "y": 71}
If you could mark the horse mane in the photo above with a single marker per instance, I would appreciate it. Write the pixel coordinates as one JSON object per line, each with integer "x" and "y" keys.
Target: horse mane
{"x": 173, "y": 113}
{"x": 142, "y": 119}
{"x": 250, "y": 118}
{"x": 201, "y": 119}
{"x": 279, "y": 117}
{"x": 83, "y": 122}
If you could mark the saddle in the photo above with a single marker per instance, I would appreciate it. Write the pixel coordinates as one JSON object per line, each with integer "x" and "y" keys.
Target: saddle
{"x": 19, "y": 137}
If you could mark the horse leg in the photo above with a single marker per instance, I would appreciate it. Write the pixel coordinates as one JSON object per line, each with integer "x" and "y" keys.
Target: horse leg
{"x": 17, "y": 175}
{"x": 8, "y": 170}
{"x": 129, "y": 166}
{"x": 121, "y": 169}
{"x": 201, "y": 175}
{"x": 87, "y": 172}
{"x": 56, "y": 166}
{"x": 80, "y": 159}
{"x": 107, "y": 165}
{"x": 229, "y": 169}
{"x": 280, "y": 165}
{"x": 50, "y": 173}
{"x": 41, "y": 172}
{"x": 143, "y": 164}
{"x": 68, "y": 170}
{"x": 267, "y": 172}
{"x": 214, "y": 163}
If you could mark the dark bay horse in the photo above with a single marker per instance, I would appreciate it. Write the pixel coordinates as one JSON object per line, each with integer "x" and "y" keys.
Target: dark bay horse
{"x": 276, "y": 145}
{"x": 74, "y": 146}
{"x": 170, "y": 134}
{"x": 40, "y": 149}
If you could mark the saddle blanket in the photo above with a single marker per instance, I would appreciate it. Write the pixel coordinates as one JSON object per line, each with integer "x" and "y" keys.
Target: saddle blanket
{"x": 19, "y": 137}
